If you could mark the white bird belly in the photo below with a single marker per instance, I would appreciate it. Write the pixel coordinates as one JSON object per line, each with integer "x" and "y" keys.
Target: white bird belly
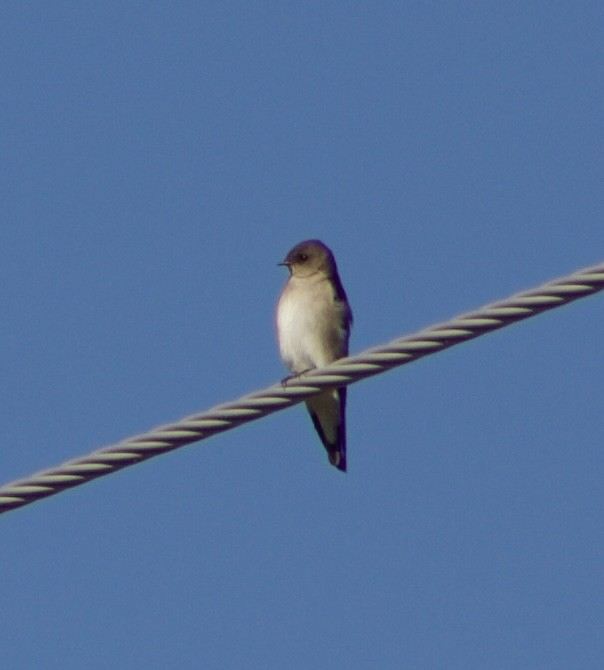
{"x": 306, "y": 320}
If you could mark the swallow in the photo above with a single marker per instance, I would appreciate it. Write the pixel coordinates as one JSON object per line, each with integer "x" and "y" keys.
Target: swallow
{"x": 313, "y": 328}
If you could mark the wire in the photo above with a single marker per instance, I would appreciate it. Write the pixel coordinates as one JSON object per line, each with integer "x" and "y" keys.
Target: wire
{"x": 279, "y": 396}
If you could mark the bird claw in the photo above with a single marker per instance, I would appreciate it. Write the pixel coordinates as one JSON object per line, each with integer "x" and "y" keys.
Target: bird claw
{"x": 294, "y": 375}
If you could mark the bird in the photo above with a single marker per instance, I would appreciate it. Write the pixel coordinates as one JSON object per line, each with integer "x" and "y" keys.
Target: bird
{"x": 313, "y": 321}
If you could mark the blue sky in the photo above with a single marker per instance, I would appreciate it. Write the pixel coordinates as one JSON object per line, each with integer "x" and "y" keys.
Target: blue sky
{"x": 158, "y": 160}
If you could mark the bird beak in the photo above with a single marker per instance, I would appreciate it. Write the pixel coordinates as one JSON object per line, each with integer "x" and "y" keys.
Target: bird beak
{"x": 284, "y": 263}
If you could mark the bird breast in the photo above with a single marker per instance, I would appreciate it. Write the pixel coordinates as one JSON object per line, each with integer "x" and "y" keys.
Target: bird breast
{"x": 309, "y": 325}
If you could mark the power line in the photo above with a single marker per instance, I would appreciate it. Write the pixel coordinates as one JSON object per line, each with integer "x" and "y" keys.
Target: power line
{"x": 345, "y": 371}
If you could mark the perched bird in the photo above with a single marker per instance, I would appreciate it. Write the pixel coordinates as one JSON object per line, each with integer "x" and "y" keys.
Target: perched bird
{"x": 313, "y": 326}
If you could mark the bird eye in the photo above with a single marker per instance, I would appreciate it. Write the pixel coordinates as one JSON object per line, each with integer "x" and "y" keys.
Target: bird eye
{"x": 302, "y": 258}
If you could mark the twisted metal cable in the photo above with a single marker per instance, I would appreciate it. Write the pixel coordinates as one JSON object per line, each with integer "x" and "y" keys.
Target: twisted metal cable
{"x": 277, "y": 397}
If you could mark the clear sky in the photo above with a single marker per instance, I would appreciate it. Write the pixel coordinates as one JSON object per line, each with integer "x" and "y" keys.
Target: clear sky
{"x": 157, "y": 160}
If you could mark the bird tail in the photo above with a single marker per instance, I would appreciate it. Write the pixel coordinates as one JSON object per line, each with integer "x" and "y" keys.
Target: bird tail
{"x": 328, "y": 414}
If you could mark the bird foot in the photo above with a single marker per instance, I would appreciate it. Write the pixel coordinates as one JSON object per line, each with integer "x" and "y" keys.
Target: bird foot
{"x": 294, "y": 375}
